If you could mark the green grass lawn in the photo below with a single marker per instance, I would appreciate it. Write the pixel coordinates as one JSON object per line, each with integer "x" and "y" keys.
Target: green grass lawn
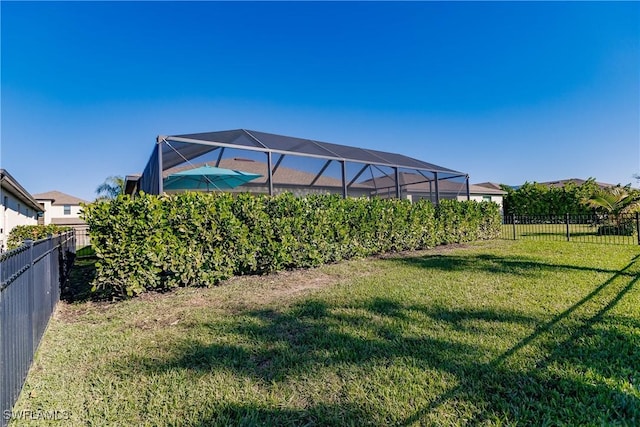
{"x": 85, "y": 251}
{"x": 493, "y": 333}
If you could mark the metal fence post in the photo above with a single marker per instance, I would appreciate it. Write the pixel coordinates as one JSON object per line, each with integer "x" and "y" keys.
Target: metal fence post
{"x": 567, "y": 221}
{"x": 50, "y": 270}
{"x": 513, "y": 221}
{"x": 30, "y": 294}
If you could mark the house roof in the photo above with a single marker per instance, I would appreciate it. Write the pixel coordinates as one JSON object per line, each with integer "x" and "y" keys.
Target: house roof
{"x": 10, "y": 184}
{"x": 282, "y": 176}
{"x": 59, "y": 198}
{"x": 131, "y": 183}
{"x": 68, "y": 221}
{"x": 492, "y": 185}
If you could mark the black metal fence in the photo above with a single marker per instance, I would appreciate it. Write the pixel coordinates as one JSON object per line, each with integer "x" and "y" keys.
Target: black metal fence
{"x": 619, "y": 229}
{"x": 30, "y": 282}
{"x": 83, "y": 239}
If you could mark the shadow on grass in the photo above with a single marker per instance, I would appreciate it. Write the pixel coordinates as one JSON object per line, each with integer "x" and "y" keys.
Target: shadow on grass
{"x": 233, "y": 414}
{"x": 86, "y": 251}
{"x": 594, "y": 346}
{"x": 78, "y": 286}
{"x": 499, "y": 265}
{"x": 561, "y": 386}
{"x": 583, "y": 237}
{"x": 557, "y": 236}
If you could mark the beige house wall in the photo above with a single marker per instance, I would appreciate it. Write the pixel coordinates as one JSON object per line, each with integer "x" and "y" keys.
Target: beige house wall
{"x": 57, "y": 211}
{"x": 14, "y": 213}
{"x": 46, "y": 216}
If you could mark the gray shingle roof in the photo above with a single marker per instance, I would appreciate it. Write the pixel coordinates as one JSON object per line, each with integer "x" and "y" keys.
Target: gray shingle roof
{"x": 59, "y": 198}
{"x": 68, "y": 221}
{"x": 10, "y": 184}
{"x": 492, "y": 185}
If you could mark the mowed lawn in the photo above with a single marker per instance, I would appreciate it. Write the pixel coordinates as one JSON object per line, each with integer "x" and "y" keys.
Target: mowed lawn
{"x": 491, "y": 333}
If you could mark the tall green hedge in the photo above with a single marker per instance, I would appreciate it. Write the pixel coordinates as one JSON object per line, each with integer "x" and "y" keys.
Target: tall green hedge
{"x": 198, "y": 239}
{"x": 540, "y": 199}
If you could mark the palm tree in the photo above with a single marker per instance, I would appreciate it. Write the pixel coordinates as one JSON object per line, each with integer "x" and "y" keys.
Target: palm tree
{"x": 614, "y": 201}
{"x": 110, "y": 188}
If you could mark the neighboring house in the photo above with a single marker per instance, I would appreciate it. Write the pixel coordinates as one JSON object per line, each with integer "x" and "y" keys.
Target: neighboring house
{"x": 18, "y": 207}
{"x": 60, "y": 208}
{"x": 63, "y": 209}
{"x": 487, "y": 192}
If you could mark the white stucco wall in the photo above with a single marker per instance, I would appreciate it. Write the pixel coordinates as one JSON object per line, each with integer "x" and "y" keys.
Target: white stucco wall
{"x": 57, "y": 211}
{"x": 14, "y": 213}
{"x": 47, "y": 211}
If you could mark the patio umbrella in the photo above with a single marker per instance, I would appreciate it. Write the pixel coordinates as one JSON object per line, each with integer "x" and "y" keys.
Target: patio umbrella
{"x": 207, "y": 178}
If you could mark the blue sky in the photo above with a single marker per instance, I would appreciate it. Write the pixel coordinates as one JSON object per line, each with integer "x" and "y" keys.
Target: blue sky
{"x": 508, "y": 92}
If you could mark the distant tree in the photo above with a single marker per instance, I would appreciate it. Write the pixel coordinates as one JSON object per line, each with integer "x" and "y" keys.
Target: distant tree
{"x": 615, "y": 201}
{"x": 539, "y": 199}
{"x": 110, "y": 188}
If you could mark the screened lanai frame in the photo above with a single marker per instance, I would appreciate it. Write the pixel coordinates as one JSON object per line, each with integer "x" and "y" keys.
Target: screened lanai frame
{"x": 173, "y": 151}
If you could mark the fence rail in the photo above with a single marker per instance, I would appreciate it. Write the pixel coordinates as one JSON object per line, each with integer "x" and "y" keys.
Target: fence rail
{"x": 609, "y": 229}
{"x": 30, "y": 282}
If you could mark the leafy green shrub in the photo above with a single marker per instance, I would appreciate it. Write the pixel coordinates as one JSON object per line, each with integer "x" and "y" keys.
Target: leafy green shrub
{"x": 198, "y": 239}
{"x": 21, "y": 233}
{"x": 539, "y": 199}
{"x": 466, "y": 221}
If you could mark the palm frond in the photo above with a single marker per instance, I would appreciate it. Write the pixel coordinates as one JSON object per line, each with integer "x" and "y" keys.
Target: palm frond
{"x": 110, "y": 188}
